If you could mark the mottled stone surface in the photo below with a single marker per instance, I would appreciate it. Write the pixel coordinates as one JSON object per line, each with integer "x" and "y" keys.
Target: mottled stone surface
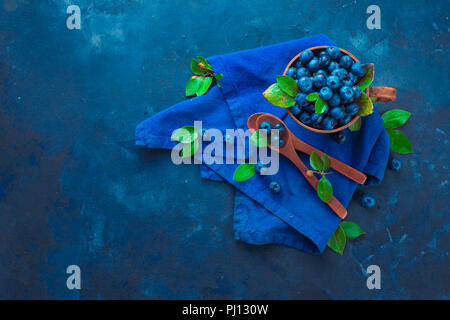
{"x": 75, "y": 190}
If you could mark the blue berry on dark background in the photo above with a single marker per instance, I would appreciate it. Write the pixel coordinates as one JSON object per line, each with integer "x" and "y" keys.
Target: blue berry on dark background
{"x": 316, "y": 118}
{"x": 324, "y": 61}
{"x": 321, "y": 71}
{"x": 346, "y": 62}
{"x": 258, "y": 167}
{"x": 306, "y": 56}
{"x": 340, "y": 73}
{"x": 337, "y": 113}
{"x": 279, "y": 126}
{"x": 313, "y": 65}
{"x": 333, "y": 66}
{"x": 333, "y": 82}
{"x": 339, "y": 137}
{"x": 300, "y": 98}
{"x": 326, "y": 93}
{"x": 335, "y": 100}
{"x": 319, "y": 81}
{"x": 352, "y": 109}
{"x": 346, "y": 119}
{"x": 305, "y": 118}
{"x": 329, "y": 123}
{"x": 291, "y": 72}
{"x": 346, "y": 93}
{"x": 310, "y": 107}
{"x": 302, "y": 72}
{"x": 305, "y": 84}
{"x": 358, "y": 69}
{"x": 395, "y": 164}
{"x": 295, "y": 109}
{"x": 265, "y": 125}
{"x": 275, "y": 187}
{"x": 356, "y": 91}
{"x": 297, "y": 64}
{"x": 368, "y": 201}
{"x": 333, "y": 52}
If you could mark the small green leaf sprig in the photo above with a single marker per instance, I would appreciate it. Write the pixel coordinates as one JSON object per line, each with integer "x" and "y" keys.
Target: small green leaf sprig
{"x": 394, "y": 119}
{"x": 346, "y": 230}
{"x": 188, "y": 136}
{"x": 321, "y": 164}
{"x": 203, "y": 77}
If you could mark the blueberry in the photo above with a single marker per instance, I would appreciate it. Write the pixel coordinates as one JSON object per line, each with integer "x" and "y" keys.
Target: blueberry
{"x": 333, "y": 52}
{"x": 297, "y": 64}
{"x": 346, "y": 62}
{"x": 339, "y": 137}
{"x": 395, "y": 164}
{"x": 367, "y": 201}
{"x": 279, "y": 126}
{"x": 346, "y": 119}
{"x": 295, "y": 109}
{"x": 275, "y": 187}
{"x": 305, "y": 118}
{"x": 300, "y": 98}
{"x": 356, "y": 91}
{"x": 358, "y": 69}
{"x": 326, "y": 93}
{"x": 292, "y": 72}
{"x": 333, "y": 82}
{"x": 346, "y": 93}
{"x": 305, "y": 84}
{"x": 320, "y": 81}
{"x": 337, "y": 113}
{"x": 321, "y": 71}
{"x": 352, "y": 78}
{"x": 310, "y": 107}
{"x": 277, "y": 140}
{"x": 258, "y": 167}
{"x": 335, "y": 100}
{"x": 306, "y": 56}
{"x": 265, "y": 125}
{"x": 333, "y": 66}
{"x": 347, "y": 101}
{"x": 302, "y": 72}
{"x": 313, "y": 65}
{"x": 324, "y": 61}
{"x": 329, "y": 123}
{"x": 316, "y": 118}
{"x": 340, "y": 73}
{"x": 352, "y": 109}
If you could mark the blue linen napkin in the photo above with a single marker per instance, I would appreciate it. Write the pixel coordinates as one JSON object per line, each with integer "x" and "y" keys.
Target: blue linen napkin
{"x": 294, "y": 217}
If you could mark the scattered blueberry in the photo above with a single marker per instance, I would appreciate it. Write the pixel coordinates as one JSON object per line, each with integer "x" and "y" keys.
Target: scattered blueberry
{"x": 292, "y": 72}
{"x": 265, "y": 125}
{"x": 305, "y": 84}
{"x": 258, "y": 167}
{"x": 275, "y": 187}
{"x": 306, "y": 56}
{"x": 395, "y": 164}
{"x": 368, "y": 201}
{"x": 358, "y": 69}
{"x": 277, "y": 140}
{"x": 279, "y": 126}
{"x": 346, "y": 62}
{"x": 339, "y": 137}
{"x": 326, "y": 93}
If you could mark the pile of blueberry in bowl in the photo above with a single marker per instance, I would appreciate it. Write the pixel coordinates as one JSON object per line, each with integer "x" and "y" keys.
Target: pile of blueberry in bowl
{"x": 331, "y": 75}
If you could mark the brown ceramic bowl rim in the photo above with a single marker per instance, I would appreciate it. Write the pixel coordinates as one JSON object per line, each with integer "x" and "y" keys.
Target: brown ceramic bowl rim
{"x": 301, "y": 123}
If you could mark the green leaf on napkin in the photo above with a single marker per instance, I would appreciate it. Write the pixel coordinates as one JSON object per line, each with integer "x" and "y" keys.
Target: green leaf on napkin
{"x": 193, "y": 85}
{"x": 324, "y": 189}
{"x": 244, "y": 172}
{"x": 316, "y": 161}
{"x": 204, "y": 86}
{"x": 195, "y": 68}
{"x": 355, "y": 126}
{"x": 204, "y": 62}
{"x": 399, "y": 142}
{"x": 395, "y": 118}
{"x": 365, "y": 105}
{"x": 351, "y": 229}
{"x": 186, "y": 134}
{"x": 367, "y": 78}
{"x": 277, "y": 97}
{"x": 288, "y": 85}
{"x": 326, "y": 162}
{"x": 337, "y": 241}
{"x": 258, "y": 139}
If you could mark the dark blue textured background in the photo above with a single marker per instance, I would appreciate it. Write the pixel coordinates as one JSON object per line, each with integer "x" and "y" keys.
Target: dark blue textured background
{"x": 75, "y": 190}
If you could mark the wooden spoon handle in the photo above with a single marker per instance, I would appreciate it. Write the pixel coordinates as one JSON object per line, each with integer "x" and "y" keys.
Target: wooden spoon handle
{"x": 382, "y": 94}
{"x": 334, "y": 203}
{"x": 337, "y": 165}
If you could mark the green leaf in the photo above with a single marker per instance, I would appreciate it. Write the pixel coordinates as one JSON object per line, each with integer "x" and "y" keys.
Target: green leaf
{"x": 373, "y": 99}
{"x": 365, "y": 105}
{"x": 192, "y": 86}
{"x": 204, "y": 86}
{"x": 258, "y": 139}
{"x": 288, "y": 85}
{"x": 195, "y": 67}
{"x": 204, "y": 62}
{"x": 277, "y": 97}
{"x": 367, "y": 78}
{"x": 244, "y": 172}
{"x": 326, "y": 162}
{"x": 315, "y": 161}
{"x": 337, "y": 241}
{"x": 355, "y": 126}
{"x": 320, "y": 105}
{"x": 395, "y": 118}
{"x": 312, "y": 97}
{"x": 324, "y": 189}
{"x": 218, "y": 76}
{"x": 399, "y": 142}
{"x": 189, "y": 149}
{"x": 185, "y": 134}
{"x": 351, "y": 229}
